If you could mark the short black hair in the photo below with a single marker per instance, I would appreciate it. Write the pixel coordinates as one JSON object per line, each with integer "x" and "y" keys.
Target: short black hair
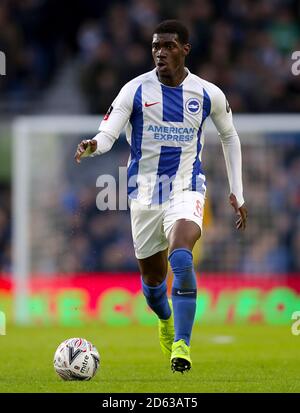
{"x": 174, "y": 26}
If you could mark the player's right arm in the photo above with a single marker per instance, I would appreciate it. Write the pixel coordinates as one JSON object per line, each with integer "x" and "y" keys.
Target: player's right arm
{"x": 110, "y": 128}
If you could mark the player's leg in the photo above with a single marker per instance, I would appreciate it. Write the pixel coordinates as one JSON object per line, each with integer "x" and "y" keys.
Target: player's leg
{"x": 182, "y": 238}
{"x": 151, "y": 251}
{"x": 153, "y": 270}
{"x": 183, "y": 226}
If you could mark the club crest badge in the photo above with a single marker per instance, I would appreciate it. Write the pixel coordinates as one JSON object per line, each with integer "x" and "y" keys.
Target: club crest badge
{"x": 193, "y": 106}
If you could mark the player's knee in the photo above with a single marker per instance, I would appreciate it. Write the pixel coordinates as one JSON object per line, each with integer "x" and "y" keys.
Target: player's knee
{"x": 153, "y": 280}
{"x": 154, "y": 292}
{"x": 181, "y": 258}
{"x": 181, "y": 261}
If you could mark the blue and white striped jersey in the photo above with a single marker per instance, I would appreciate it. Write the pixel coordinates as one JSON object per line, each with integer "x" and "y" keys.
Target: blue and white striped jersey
{"x": 165, "y": 129}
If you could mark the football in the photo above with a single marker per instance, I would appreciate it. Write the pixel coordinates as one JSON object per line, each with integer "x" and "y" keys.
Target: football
{"x": 76, "y": 359}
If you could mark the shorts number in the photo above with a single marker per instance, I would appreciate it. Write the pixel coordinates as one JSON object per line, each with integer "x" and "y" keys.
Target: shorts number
{"x": 198, "y": 208}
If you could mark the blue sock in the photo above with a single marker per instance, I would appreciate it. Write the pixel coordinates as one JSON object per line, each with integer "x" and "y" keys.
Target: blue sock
{"x": 157, "y": 299}
{"x": 184, "y": 293}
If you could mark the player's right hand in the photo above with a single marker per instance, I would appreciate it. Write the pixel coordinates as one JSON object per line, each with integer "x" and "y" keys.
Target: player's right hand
{"x": 85, "y": 148}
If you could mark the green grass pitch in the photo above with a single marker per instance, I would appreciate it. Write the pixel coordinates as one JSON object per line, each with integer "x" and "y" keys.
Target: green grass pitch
{"x": 225, "y": 359}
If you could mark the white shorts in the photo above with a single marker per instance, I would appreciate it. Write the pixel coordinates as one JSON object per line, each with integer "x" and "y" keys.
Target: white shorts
{"x": 151, "y": 224}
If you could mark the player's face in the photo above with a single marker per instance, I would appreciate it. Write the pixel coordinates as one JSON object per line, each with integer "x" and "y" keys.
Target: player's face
{"x": 168, "y": 53}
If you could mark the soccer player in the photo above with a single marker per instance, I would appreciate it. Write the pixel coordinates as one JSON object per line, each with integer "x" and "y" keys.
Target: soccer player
{"x": 164, "y": 113}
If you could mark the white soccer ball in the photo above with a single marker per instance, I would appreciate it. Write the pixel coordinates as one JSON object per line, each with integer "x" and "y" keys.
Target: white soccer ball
{"x": 76, "y": 359}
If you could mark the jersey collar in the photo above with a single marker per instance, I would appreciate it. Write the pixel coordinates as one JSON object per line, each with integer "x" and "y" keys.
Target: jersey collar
{"x": 172, "y": 87}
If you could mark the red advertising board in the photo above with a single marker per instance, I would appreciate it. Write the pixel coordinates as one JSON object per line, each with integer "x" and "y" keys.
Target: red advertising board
{"x": 116, "y": 299}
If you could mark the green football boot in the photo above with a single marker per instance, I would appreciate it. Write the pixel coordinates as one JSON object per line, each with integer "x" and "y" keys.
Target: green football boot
{"x": 180, "y": 357}
{"x": 166, "y": 333}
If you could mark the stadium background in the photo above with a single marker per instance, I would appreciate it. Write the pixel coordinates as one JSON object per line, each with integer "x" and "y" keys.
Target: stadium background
{"x": 73, "y": 62}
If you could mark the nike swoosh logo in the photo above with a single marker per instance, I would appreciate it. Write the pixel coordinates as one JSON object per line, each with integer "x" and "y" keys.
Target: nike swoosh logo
{"x": 186, "y": 292}
{"x": 150, "y": 104}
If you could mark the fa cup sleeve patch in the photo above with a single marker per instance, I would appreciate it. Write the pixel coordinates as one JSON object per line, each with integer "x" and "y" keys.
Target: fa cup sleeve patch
{"x": 108, "y": 113}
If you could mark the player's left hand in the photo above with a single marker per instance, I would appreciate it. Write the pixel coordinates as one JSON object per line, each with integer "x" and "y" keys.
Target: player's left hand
{"x": 241, "y": 212}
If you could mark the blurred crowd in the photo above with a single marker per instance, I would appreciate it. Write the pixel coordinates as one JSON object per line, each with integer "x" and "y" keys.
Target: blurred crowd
{"x": 244, "y": 46}
{"x": 69, "y": 234}
{"x": 271, "y": 242}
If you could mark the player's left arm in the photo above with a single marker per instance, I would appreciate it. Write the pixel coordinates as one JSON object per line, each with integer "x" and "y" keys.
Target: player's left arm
{"x": 222, "y": 117}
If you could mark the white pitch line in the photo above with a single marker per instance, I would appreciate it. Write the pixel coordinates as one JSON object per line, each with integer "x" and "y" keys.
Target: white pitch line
{"x": 222, "y": 339}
